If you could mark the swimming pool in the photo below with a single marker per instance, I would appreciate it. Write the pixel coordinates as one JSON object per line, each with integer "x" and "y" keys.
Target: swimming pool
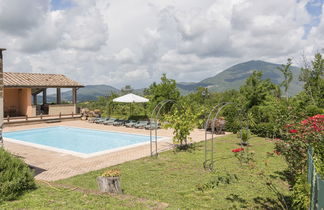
{"x": 76, "y": 141}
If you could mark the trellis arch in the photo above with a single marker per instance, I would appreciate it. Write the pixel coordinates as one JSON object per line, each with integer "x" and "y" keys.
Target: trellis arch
{"x": 209, "y": 148}
{"x": 154, "y": 117}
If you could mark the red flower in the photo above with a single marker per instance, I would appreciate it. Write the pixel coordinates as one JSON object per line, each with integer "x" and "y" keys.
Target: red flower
{"x": 237, "y": 150}
{"x": 293, "y": 131}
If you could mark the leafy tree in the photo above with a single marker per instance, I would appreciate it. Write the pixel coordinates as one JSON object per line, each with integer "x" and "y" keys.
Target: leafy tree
{"x": 166, "y": 89}
{"x": 183, "y": 120}
{"x": 255, "y": 90}
{"x": 314, "y": 82}
{"x": 127, "y": 89}
{"x": 286, "y": 71}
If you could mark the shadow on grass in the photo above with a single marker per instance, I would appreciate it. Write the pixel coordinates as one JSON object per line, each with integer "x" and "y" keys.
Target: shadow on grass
{"x": 186, "y": 147}
{"x": 283, "y": 175}
{"x": 272, "y": 204}
{"x": 237, "y": 201}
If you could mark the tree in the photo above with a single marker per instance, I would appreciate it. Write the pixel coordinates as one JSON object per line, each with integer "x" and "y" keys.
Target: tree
{"x": 255, "y": 90}
{"x": 166, "y": 89}
{"x": 127, "y": 89}
{"x": 314, "y": 82}
{"x": 183, "y": 120}
{"x": 286, "y": 71}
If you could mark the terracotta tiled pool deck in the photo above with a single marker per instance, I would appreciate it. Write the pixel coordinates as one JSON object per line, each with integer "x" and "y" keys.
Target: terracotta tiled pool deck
{"x": 51, "y": 166}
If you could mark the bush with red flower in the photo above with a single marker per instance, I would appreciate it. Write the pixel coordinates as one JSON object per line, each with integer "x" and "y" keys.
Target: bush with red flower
{"x": 244, "y": 156}
{"x": 298, "y": 138}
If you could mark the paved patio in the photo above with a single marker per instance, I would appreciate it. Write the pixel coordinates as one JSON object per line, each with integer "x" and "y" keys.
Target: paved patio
{"x": 51, "y": 166}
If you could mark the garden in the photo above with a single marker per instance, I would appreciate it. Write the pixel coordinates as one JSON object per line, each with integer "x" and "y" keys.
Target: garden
{"x": 263, "y": 164}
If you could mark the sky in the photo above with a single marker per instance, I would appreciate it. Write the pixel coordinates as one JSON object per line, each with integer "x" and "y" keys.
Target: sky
{"x": 133, "y": 42}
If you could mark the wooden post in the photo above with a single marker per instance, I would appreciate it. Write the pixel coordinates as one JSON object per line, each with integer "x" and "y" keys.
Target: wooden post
{"x": 58, "y": 95}
{"x": 1, "y": 96}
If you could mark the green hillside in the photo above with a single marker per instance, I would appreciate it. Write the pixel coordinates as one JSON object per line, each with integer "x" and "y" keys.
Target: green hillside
{"x": 234, "y": 77}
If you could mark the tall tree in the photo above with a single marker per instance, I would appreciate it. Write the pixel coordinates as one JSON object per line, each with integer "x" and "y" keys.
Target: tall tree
{"x": 313, "y": 76}
{"x": 166, "y": 89}
{"x": 286, "y": 71}
{"x": 255, "y": 90}
{"x": 127, "y": 89}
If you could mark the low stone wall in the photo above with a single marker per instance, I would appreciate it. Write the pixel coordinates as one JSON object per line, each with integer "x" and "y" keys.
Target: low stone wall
{"x": 56, "y": 109}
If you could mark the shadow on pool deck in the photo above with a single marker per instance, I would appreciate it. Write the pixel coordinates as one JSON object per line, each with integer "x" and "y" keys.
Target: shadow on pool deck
{"x": 36, "y": 170}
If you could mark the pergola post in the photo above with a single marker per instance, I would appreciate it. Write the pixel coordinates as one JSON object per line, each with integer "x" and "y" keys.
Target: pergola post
{"x": 44, "y": 96}
{"x": 35, "y": 99}
{"x": 1, "y": 96}
{"x": 74, "y": 99}
{"x": 58, "y": 95}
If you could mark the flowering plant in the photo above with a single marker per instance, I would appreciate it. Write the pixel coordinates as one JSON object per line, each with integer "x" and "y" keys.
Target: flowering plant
{"x": 299, "y": 136}
{"x": 238, "y": 149}
{"x": 244, "y": 156}
{"x": 111, "y": 173}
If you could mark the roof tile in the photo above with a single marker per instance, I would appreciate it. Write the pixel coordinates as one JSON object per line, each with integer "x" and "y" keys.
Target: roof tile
{"x": 12, "y": 79}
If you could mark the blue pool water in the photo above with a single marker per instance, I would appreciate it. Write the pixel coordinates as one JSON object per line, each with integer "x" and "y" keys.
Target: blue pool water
{"x": 79, "y": 140}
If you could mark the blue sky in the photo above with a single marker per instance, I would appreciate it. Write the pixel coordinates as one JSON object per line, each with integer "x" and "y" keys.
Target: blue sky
{"x": 314, "y": 7}
{"x": 61, "y": 4}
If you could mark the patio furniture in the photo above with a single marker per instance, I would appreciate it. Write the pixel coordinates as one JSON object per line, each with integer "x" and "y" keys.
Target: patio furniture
{"x": 110, "y": 121}
{"x": 152, "y": 126}
{"x": 102, "y": 120}
{"x": 141, "y": 124}
{"x": 130, "y": 124}
{"x": 119, "y": 122}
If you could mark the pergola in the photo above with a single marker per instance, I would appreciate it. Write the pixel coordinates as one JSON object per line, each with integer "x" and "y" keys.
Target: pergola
{"x": 21, "y": 90}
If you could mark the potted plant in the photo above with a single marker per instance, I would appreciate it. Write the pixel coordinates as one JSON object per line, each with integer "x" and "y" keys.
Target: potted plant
{"x": 245, "y": 135}
{"x": 109, "y": 181}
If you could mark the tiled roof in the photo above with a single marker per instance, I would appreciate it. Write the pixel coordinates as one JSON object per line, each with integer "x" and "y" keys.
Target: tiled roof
{"x": 11, "y": 79}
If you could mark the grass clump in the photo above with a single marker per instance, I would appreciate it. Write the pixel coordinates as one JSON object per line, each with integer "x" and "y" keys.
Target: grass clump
{"x": 15, "y": 177}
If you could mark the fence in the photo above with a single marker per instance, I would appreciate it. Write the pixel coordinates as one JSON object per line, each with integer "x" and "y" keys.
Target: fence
{"x": 317, "y": 184}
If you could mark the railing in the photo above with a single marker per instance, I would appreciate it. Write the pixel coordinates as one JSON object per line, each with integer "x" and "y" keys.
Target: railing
{"x": 9, "y": 119}
{"x": 317, "y": 184}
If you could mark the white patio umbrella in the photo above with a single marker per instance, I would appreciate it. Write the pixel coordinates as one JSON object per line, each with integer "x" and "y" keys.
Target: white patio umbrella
{"x": 131, "y": 98}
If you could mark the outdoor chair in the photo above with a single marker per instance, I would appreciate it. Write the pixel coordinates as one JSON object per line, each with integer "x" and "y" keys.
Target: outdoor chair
{"x": 101, "y": 120}
{"x": 152, "y": 126}
{"x": 110, "y": 121}
{"x": 130, "y": 124}
{"x": 141, "y": 124}
{"x": 119, "y": 122}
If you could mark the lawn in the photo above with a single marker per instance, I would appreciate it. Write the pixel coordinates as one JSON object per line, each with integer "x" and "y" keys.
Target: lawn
{"x": 173, "y": 180}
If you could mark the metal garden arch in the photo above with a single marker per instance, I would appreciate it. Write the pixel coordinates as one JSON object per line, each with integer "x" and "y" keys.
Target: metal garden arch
{"x": 155, "y": 114}
{"x": 209, "y": 149}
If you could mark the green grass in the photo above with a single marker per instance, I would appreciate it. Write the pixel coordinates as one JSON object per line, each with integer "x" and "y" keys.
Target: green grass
{"x": 172, "y": 178}
{"x": 46, "y": 197}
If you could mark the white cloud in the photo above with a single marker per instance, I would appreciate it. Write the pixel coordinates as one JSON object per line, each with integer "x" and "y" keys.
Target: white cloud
{"x": 134, "y": 42}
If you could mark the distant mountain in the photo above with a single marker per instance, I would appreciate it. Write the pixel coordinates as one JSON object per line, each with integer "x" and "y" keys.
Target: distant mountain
{"x": 235, "y": 76}
{"x": 88, "y": 93}
{"x": 231, "y": 78}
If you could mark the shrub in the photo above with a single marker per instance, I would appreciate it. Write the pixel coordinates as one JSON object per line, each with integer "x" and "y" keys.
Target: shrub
{"x": 294, "y": 145}
{"x": 301, "y": 193}
{"x": 15, "y": 176}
